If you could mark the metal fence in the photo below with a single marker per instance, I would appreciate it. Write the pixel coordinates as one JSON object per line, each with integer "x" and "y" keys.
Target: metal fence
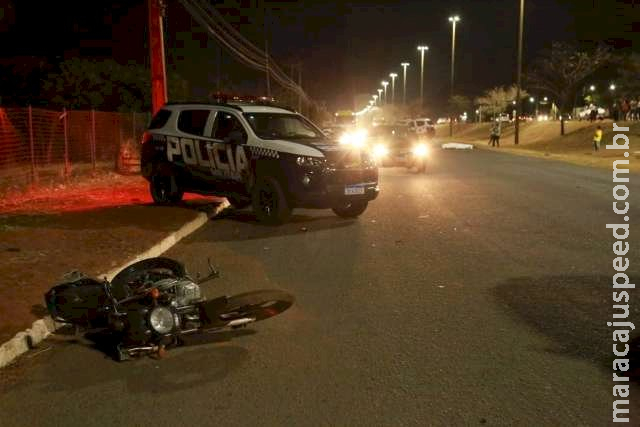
{"x": 38, "y": 145}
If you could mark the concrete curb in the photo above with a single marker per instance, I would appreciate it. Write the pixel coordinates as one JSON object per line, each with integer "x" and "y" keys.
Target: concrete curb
{"x": 42, "y": 328}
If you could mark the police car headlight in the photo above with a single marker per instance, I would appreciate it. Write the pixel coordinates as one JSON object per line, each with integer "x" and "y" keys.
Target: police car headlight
{"x": 380, "y": 151}
{"x": 161, "y": 320}
{"x": 420, "y": 150}
{"x": 355, "y": 139}
{"x": 310, "y": 161}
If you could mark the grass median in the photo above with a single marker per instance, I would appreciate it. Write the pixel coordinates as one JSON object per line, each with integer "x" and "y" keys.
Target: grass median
{"x": 543, "y": 140}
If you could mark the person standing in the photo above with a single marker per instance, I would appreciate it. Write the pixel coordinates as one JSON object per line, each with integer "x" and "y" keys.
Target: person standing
{"x": 597, "y": 138}
{"x": 492, "y": 135}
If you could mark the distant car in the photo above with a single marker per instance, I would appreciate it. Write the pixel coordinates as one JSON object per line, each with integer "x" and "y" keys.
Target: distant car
{"x": 585, "y": 113}
{"x": 396, "y": 145}
{"x": 504, "y": 117}
{"x": 421, "y": 127}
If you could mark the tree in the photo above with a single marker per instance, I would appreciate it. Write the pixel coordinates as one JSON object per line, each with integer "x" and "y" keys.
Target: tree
{"x": 496, "y": 100}
{"x": 561, "y": 70}
{"x": 459, "y": 104}
{"x": 107, "y": 85}
{"x": 628, "y": 81}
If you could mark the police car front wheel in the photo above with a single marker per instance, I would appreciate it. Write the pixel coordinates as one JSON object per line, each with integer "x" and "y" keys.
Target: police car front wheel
{"x": 270, "y": 204}
{"x": 350, "y": 209}
{"x": 164, "y": 190}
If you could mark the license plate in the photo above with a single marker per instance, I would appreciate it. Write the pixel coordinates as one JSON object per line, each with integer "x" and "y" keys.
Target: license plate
{"x": 352, "y": 190}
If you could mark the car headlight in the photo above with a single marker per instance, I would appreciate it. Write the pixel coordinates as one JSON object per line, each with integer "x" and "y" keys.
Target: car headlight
{"x": 379, "y": 151}
{"x": 420, "y": 150}
{"x": 310, "y": 161}
{"x": 161, "y": 320}
{"x": 355, "y": 139}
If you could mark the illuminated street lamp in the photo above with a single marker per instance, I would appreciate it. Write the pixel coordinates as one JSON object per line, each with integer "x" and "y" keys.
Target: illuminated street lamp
{"x": 375, "y": 98}
{"x": 612, "y": 87}
{"x": 422, "y": 49}
{"x": 393, "y": 87}
{"x": 592, "y": 88}
{"x": 404, "y": 84}
{"x": 454, "y": 21}
{"x": 385, "y": 84}
{"x": 380, "y": 96}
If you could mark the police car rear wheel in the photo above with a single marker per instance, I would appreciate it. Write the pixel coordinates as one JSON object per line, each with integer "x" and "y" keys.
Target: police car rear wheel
{"x": 270, "y": 204}
{"x": 350, "y": 209}
{"x": 161, "y": 192}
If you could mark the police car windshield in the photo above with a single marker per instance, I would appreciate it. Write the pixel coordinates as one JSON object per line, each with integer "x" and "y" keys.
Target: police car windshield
{"x": 282, "y": 126}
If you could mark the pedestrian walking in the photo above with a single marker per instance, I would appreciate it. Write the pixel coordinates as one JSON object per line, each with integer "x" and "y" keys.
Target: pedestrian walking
{"x": 597, "y": 138}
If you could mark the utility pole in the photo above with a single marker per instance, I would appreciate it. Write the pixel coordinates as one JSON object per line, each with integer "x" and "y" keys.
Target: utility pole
{"x": 404, "y": 84}
{"x": 266, "y": 54}
{"x": 454, "y": 20}
{"x": 422, "y": 49}
{"x": 518, "y": 101}
{"x": 156, "y": 55}
{"x": 300, "y": 85}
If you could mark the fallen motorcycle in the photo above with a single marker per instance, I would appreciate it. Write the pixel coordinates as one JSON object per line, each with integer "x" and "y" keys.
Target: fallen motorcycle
{"x": 152, "y": 304}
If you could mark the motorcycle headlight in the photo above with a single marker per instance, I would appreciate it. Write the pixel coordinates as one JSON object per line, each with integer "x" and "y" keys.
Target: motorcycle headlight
{"x": 355, "y": 139}
{"x": 420, "y": 150}
{"x": 161, "y": 320}
{"x": 380, "y": 151}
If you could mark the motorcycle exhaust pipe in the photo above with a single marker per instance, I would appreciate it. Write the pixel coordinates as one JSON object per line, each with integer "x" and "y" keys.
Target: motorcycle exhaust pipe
{"x": 236, "y": 323}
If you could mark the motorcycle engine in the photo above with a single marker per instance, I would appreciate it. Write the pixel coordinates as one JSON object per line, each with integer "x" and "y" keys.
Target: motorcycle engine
{"x": 185, "y": 291}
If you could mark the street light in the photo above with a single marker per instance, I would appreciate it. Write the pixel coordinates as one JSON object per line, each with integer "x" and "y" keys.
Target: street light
{"x": 422, "y": 49}
{"x": 385, "y": 84}
{"x": 592, "y": 88}
{"x": 516, "y": 139}
{"x": 454, "y": 20}
{"x": 393, "y": 87}
{"x": 612, "y": 87}
{"x": 375, "y": 98}
{"x": 404, "y": 84}
{"x": 380, "y": 96}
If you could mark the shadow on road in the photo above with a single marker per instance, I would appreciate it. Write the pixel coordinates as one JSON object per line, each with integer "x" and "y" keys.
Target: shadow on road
{"x": 243, "y": 225}
{"x": 573, "y": 312}
{"x": 73, "y": 364}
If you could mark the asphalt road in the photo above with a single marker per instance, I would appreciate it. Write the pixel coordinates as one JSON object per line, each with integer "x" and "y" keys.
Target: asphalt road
{"x": 476, "y": 294}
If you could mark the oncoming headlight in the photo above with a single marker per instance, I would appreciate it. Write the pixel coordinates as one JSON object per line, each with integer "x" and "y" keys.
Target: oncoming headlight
{"x": 380, "y": 151}
{"x": 355, "y": 139}
{"x": 161, "y": 320}
{"x": 420, "y": 150}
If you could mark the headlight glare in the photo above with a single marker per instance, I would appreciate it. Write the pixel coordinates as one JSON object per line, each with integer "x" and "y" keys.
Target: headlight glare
{"x": 355, "y": 139}
{"x": 420, "y": 150}
{"x": 380, "y": 151}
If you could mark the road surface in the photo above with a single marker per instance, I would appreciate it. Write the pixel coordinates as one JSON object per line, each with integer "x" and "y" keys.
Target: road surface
{"x": 475, "y": 294}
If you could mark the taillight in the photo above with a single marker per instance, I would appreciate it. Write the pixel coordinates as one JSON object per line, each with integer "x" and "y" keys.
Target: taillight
{"x": 146, "y": 137}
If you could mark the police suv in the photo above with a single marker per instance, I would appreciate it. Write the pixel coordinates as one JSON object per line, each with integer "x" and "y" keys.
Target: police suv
{"x": 260, "y": 155}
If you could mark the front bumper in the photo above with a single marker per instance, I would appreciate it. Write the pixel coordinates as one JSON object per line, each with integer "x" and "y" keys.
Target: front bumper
{"x": 332, "y": 187}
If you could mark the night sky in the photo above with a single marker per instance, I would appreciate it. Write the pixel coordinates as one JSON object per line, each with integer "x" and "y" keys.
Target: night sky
{"x": 346, "y": 47}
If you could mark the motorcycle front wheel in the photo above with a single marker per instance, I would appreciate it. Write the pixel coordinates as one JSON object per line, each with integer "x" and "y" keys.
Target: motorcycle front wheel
{"x": 256, "y": 305}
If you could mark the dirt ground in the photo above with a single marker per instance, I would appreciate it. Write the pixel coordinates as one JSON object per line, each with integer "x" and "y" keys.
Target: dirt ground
{"x": 91, "y": 226}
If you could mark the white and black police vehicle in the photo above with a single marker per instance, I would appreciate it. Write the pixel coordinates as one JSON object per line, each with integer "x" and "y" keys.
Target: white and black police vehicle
{"x": 256, "y": 154}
